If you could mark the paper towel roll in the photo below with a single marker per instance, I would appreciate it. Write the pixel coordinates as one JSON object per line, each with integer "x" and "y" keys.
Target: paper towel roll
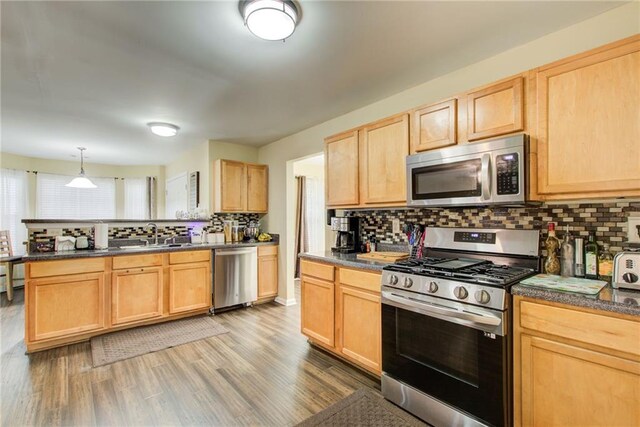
{"x": 101, "y": 235}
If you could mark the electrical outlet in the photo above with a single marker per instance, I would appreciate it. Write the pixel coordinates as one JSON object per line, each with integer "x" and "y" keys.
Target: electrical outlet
{"x": 633, "y": 229}
{"x": 395, "y": 226}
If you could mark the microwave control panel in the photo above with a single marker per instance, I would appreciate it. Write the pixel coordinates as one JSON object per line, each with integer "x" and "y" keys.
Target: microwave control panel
{"x": 508, "y": 173}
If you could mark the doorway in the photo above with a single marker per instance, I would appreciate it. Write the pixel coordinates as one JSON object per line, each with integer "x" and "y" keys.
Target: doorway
{"x": 310, "y": 213}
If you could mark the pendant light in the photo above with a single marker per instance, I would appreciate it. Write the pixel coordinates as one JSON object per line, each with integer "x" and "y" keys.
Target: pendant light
{"x": 270, "y": 19}
{"x": 81, "y": 181}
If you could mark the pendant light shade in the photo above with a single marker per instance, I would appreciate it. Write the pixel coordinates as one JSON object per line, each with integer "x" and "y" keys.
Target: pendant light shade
{"x": 270, "y": 19}
{"x": 81, "y": 181}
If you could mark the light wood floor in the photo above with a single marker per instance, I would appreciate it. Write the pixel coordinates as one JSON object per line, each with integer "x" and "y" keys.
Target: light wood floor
{"x": 261, "y": 373}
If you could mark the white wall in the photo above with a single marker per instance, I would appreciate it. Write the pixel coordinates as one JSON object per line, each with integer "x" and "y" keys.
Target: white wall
{"x": 64, "y": 167}
{"x": 605, "y": 28}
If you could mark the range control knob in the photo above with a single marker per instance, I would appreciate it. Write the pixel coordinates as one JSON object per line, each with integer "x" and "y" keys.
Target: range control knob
{"x": 460, "y": 292}
{"x": 433, "y": 287}
{"x": 630, "y": 277}
{"x": 393, "y": 279}
{"x": 482, "y": 297}
{"x": 408, "y": 282}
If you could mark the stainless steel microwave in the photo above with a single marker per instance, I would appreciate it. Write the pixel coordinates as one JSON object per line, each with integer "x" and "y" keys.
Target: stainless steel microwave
{"x": 493, "y": 172}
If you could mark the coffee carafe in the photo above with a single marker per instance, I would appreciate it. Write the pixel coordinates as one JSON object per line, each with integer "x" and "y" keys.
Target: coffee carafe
{"x": 347, "y": 234}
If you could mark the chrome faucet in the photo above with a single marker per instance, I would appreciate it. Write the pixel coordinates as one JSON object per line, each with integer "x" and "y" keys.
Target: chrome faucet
{"x": 155, "y": 232}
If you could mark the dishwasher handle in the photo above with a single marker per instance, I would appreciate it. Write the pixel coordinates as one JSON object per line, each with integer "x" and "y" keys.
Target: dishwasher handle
{"x": 235, "y": 251}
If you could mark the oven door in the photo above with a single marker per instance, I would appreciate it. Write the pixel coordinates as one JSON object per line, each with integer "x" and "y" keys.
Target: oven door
{"x": 461, "y": 180}
{"x": 455, "y": 353}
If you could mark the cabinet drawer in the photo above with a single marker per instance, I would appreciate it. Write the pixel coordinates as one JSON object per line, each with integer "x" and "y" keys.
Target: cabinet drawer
{"x": 602, "y": 330}
{"x": 64, "y": 267}
{"x": 267, "y": 250}
{"x": 360, "y": 279}
{"x": 132, "y": 261}
{"x": 189, "y": 256}
{"x": 315, "y": 269}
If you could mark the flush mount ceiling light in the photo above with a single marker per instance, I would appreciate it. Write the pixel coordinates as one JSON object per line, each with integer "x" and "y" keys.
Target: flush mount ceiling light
{"x": 163, "y": 129}
{"x": 81, "y": 181}
{"x": 270, "y": 19}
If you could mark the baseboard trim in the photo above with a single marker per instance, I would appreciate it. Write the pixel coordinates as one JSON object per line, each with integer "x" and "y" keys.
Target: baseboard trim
{"x": 286, "y": 302}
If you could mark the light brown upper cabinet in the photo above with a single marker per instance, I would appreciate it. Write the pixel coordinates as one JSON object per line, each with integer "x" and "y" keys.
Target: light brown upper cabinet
{"x": 588, "y": 123}
{"x": 434, "y": 126}
{"x": 366, "y": 166}
{"x": 341, "y": 170}
{"x": 239, "y": 186}
{"x": 496, "y": 110}
{"x": 384, "y": 146}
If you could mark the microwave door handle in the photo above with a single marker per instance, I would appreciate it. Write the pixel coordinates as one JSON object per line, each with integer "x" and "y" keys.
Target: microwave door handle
{"x": 430, "y": 309}
{"x": 486, "y": 176}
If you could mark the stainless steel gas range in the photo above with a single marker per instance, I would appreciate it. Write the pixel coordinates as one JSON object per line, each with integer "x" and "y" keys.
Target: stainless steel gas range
{"x": 446, "y": 325}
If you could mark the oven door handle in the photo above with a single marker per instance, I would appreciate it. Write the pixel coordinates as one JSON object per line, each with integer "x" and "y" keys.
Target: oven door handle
{"x": 486, "y": 176}
{"x": 440, "y": 312}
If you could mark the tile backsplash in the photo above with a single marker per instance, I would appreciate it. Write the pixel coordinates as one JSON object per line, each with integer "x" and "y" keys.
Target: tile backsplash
{"x": 607, "y": 220}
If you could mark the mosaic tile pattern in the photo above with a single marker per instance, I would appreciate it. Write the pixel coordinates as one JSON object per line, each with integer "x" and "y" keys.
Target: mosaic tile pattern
{"x": 43, "y": 235}
{"x": 606, "y": 220}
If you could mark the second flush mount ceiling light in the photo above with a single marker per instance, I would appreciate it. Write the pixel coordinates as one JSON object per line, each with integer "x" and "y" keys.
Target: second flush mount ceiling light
{"x": 270, "y": 19}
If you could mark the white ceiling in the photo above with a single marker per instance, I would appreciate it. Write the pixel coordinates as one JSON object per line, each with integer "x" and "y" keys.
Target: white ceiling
{"x": 94, "y": 73}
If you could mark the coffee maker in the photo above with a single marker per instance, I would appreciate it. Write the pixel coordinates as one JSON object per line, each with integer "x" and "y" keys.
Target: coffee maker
{"x": 347, "y": 234}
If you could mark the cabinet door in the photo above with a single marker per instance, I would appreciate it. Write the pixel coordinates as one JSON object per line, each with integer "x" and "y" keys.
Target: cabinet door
{"x": 267, "y": 276}
{"x": 233, "y": 186}
{"x": 341, "y": 169}
{"x": 434, "y": 126}
{"x": 588, "y": 126}
{"x": 384, "y": 147}
{"x": 136, "y": 294}
{"x": 257, "y": 188}
{"x": 564, "y": 385}
{"x": 496, "y": 110}
{"x": 317, "y": 310}
{"x": 189, "y": 287}
{"x": 65, "y": 306}
{"x": 359, "y": 324}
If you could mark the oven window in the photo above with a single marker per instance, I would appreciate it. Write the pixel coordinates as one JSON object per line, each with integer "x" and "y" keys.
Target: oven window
{"x": 447, "y": 347}
{"x": 460, "y": 179}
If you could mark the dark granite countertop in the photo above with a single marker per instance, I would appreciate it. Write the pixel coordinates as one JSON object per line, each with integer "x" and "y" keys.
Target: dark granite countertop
{"x": 46, "y": 256}
{"x": 343, "y": 260}
{"x": 609, "y": 299}
{"x": 107, "y": 221}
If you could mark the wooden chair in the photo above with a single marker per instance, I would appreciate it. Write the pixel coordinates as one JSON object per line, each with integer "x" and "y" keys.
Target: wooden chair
{"x": 7, "y": 259}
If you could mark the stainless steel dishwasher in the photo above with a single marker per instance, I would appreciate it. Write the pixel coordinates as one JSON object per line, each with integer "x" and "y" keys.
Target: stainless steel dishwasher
{"x": 235, "y": 277}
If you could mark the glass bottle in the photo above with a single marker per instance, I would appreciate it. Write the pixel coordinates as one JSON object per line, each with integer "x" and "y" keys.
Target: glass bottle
{"x": 567, "y": 255}
{"x": 551, "y": 262}
{"x": 605, "y": 264}
{"x": 591, "y": 258}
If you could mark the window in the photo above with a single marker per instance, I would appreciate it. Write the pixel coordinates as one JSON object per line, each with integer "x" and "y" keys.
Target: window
{"x": 55, "y": 201}
{"x": 136, "y": 200}
{"x": 14, "y": 206}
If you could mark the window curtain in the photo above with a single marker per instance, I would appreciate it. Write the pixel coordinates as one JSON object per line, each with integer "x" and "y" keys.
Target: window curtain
{"x": 136, "y": 204}
{"x": 55, "y": 201}
{"x": 314, "y": 213}
{"x": 152, "y": 198}
{"x": 14, "y": 198}
{"x": 301, "y": 244}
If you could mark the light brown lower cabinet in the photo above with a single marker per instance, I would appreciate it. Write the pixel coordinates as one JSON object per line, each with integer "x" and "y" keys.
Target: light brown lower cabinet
{"x": 189, "y": 287}
{"x": 343, "y": 315}
{"x": 136, "y": 294}
{"x": 68, "y": 301}
{"x": 267, "y": 272}
{"x": 575, "y": 367}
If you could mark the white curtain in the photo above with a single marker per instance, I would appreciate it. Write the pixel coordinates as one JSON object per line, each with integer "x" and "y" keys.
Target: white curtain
{"x": 14, "y": 191}
{"x": 55, "y": 201}
{"x": 136, "y": 198}
{"x": 314, "y": 213}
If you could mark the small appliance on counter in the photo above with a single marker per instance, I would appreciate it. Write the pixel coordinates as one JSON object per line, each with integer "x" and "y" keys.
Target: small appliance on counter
{"x": 347, "y": 234}
{"x": 82, "y": 242}
{"x": 626, "y": 270}
{"x": 252, "y": 231}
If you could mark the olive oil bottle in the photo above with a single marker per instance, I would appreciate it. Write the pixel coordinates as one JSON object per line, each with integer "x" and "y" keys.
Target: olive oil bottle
{"x": 591, "y": 258}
